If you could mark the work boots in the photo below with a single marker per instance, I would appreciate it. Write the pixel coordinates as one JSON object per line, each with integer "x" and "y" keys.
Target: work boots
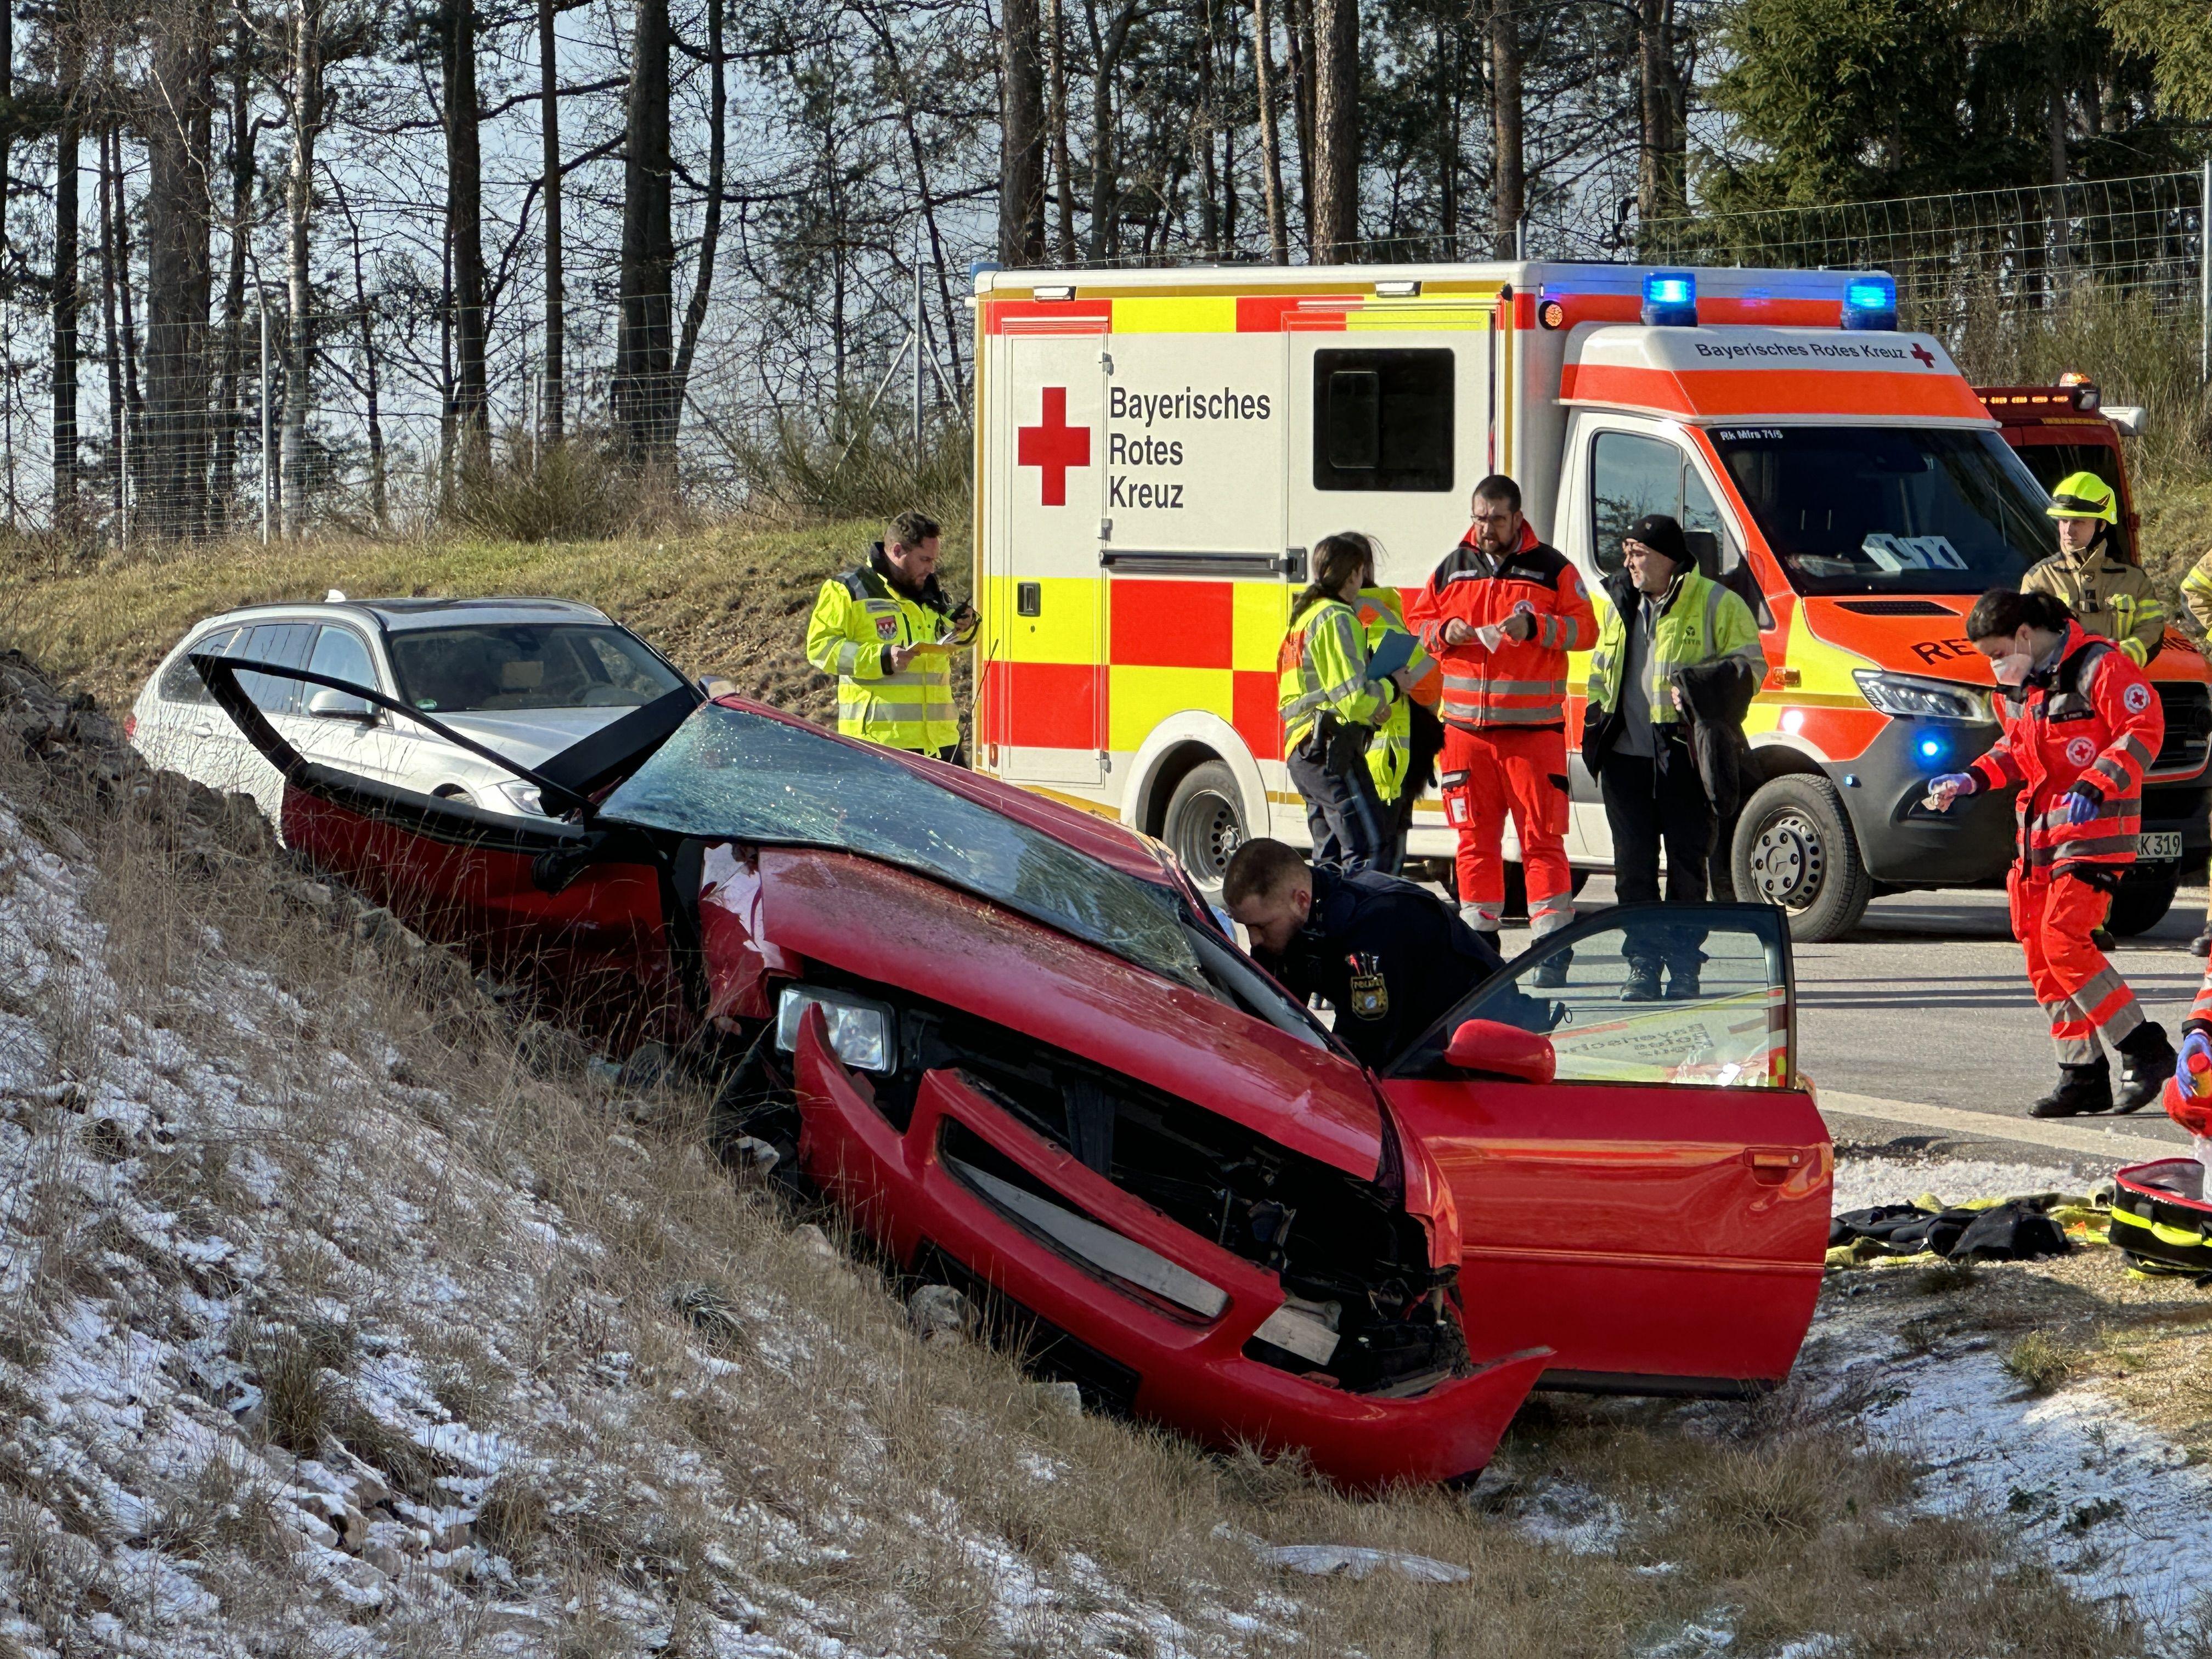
{"x": 2146, "y": 1059}
{"x": 2081, "y": 1089}
{"x": 1551, "y": 972}
{"x": 1642, "y": 984}
{"x": 1682, "y": 980}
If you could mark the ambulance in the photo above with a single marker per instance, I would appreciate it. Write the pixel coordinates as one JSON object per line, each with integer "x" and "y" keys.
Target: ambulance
{"x": 1156, "y": 450}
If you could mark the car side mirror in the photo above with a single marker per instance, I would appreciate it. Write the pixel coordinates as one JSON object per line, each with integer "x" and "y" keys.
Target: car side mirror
{"x": 1489, "y": 1045}
{"x": 327, "y": 704}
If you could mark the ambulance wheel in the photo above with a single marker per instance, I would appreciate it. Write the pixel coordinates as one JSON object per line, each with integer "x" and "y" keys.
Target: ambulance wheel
{"x": 2146, "y": 895}
{"x": 1205, "y": 825}
{"x": 1793, "y": 848}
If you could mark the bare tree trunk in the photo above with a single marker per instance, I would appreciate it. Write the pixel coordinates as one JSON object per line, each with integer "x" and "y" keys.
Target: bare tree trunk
{"x": 556, "y": 325}
{"x": 1271, "y": 137}
{"x": 243, "y": 129}
{"x": 66, "y": 146}
{"x": 1657, "y": 192}
{"x": 1063, "y": 167}
{"x": 695, "y": 313}
{"x": 646, "y": 341}
{"x": 1297, "y": 44}
{"x": 1509, "y": 181}
{"x": 1021, "y": 150}
{"x": 2055, "y": 125}
{"x": 109, "y": 191}
{"x": 307, "y": 120}
{"x": 1107, "y": 46}
{"x": 1450, "y": 161}
{"x": 464, "y": 234}
{"x": 1336, "y": 129}
{"x": 1209, "y": 181}
{"x": 377, "y": 505}
{"x": 177, "y": 142}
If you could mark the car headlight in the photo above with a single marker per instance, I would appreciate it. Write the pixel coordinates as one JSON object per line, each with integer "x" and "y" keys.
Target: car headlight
{"x": 860, "y": 1031}
{"x": 1908, "y": 696}
{"x": 525, "y": 797}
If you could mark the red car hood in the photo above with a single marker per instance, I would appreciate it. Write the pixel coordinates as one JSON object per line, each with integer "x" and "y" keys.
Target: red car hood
{"x": 888, "y": 925}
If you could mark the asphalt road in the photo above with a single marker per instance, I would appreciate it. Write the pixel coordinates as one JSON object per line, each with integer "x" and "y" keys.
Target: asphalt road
{"x": 1926, "y": 1006}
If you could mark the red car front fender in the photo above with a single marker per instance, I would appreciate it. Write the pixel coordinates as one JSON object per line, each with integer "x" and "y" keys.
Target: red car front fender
{"x": 1192, "y": 1373}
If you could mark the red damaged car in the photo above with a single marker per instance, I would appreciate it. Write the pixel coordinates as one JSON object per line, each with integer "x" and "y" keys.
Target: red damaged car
{"x": 1011, "y": 1041}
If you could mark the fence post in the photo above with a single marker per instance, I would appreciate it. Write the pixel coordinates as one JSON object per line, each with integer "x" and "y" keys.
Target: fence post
{"x": 918, "y": 340}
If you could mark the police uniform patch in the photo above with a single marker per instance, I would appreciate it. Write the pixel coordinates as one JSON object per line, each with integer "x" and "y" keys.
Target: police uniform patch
{"x": 2080, "y": 752}
{"x": 887, "y": 628}
{"x": 2137, "y": 698}
{"x": 1370, "y": 996}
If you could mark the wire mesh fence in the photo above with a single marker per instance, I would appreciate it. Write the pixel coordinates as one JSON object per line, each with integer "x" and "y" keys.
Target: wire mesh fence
{"x": 172, "y": 445}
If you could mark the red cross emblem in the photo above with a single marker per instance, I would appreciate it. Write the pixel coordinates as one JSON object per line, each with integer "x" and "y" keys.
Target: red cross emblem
{"x": 1927, "y": 357}
{"x": 1053, "y": 447}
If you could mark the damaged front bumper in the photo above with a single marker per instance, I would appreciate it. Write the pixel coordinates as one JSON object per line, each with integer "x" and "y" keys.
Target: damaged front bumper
{"x": 1174, "y": 1311}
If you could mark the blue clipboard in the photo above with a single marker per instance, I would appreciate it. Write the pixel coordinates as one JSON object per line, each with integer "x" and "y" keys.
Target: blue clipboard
{"x": 1396, "y": 651}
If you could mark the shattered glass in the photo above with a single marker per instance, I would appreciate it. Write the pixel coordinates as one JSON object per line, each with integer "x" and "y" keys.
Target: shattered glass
{"x": 729, "y": 773}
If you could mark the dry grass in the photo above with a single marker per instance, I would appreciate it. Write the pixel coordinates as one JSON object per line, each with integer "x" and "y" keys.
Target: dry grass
{"x": 683, "y": 1448}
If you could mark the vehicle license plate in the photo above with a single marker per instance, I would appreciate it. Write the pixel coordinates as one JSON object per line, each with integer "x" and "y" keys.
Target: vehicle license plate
{"x": 2162, "y": 845}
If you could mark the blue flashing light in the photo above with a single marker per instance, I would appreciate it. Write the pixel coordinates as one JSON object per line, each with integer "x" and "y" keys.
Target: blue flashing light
{"x": 1934, "y": 749}
{"x": 1870, "y": 302}
{"x": 1670, "y": 300}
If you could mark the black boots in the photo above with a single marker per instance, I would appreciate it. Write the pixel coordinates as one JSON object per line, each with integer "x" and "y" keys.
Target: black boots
{"x": 1551, "y": 972}
{"x": 2146, "y": 1060}
{"x": 1642, "y": 984}
{"x": 2081, "y": 1089}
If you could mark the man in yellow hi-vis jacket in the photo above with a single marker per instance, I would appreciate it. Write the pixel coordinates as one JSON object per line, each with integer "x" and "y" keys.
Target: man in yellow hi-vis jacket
{"x": 886, "y": 630}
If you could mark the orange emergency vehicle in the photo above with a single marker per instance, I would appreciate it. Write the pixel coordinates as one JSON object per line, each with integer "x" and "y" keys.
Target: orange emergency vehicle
{"x": 1155, "y": 450}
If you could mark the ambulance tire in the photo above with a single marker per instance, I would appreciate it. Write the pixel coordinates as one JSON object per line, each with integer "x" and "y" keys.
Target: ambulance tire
{"x": 2146, "y": 895}
{"x": 1794, "y": 846}
{"x": 1204, "y": 824}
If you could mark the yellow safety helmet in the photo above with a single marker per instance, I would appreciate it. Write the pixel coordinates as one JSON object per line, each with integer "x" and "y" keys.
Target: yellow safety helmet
{"x": 2085, "y": 495}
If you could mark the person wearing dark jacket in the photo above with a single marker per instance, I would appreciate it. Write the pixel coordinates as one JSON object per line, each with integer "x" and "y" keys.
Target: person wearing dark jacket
{"x": 1391, "y": 959}
{"x": 1657, "y": 619}
{"x": 1718, "y": 694}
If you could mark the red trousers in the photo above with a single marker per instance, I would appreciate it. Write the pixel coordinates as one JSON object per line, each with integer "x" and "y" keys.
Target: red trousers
{"x": 2083, "y": 997}
{"x": 1488, "y": 774}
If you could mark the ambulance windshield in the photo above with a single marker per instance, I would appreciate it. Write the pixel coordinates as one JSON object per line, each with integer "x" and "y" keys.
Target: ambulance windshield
{"x": 1861, "y": 509}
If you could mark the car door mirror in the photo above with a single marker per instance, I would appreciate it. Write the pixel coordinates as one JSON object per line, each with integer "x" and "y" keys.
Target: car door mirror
{"x": 327, "y": 704}
{"x": 1488, "y": 1045}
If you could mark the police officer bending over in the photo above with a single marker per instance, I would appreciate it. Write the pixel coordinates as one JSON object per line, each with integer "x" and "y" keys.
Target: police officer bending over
{"x": 1391, "y": 957}
{"x": 887, "y": 631}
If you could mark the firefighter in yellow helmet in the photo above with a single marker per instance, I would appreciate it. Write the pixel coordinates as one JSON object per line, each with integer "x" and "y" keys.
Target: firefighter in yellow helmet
{"x": 887, "y": 631}
{"x": 2108, "y": 595}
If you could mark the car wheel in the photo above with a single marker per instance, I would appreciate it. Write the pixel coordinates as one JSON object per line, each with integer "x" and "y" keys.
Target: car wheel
{"x": 2146, "y": 895}
{"x": 1793, "y": 848}
{"x": 1205, "y": 825}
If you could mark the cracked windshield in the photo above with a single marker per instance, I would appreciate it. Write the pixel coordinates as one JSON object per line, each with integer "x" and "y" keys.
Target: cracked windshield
{"x": 726, "y": 773}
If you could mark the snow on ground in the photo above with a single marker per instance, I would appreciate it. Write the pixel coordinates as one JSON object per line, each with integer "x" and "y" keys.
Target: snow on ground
{"x": 177, "y": 1280}
{"x": 2114, "y": 1507}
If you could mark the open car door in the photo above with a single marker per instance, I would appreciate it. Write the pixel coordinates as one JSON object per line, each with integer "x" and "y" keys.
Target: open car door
{"x": 1643, "y": 1188}
{"x": 578, "y": 910}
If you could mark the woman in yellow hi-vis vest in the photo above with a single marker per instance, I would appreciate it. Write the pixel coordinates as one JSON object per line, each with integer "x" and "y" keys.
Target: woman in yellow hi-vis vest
{"x": 1331, "y": 707}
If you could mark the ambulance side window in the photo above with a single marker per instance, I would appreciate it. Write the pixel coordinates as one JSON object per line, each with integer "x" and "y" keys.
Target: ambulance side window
{"x": 1701, "y": 516}
{"x": 1382, "y": 420}
{"x": 1630, "y": 475}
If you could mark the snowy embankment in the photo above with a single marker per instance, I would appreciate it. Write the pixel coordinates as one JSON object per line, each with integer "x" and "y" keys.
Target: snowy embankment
{"x": 281, "y": 1364}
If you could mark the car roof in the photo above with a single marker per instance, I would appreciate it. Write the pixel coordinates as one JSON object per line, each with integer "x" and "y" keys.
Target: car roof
{"x": 399, "y": 614}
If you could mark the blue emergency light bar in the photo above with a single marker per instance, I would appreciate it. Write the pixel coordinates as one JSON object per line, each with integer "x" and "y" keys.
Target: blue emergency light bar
{"x": 1870, "y": 302}
{"x": 1670, "y": 300}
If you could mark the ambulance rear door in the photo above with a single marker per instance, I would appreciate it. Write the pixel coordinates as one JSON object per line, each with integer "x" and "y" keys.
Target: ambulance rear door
{"x": 1044, "y": 661}
{"x": 1197, "y": 574}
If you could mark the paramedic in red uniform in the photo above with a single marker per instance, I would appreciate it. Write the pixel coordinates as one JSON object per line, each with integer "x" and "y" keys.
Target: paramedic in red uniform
{"x": 2079, "y": 725}
{"x": 1500, "y": 614}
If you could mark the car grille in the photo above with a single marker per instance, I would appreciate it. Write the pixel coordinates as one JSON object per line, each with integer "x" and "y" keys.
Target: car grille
{"x": 2187, "y": 727}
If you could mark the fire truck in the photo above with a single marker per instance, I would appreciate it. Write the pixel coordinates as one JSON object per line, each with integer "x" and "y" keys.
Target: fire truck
{"x": 1156, "y": 450}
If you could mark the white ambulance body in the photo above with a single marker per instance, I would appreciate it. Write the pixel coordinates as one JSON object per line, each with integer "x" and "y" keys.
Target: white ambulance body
{"x": 1156, "y": 450}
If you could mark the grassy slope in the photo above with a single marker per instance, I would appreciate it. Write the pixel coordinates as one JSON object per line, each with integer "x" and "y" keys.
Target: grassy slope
{"x": 728, "y": 602}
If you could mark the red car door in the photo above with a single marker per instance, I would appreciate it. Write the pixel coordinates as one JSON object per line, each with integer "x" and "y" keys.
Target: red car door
{"x": 1656, "y": 1213}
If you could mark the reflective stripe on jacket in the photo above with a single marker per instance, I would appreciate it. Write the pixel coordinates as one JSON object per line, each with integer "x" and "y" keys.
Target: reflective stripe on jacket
{"x": 2109, "y": 597}
{"x": 2092, "y": 721}
{"x": 1518, "y": 682}
{"x": 1392, "y": 752}
{"x": 1323, "y": 666}
{"x": 1700, "y": 621}
{"x": 858, "y": 618}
